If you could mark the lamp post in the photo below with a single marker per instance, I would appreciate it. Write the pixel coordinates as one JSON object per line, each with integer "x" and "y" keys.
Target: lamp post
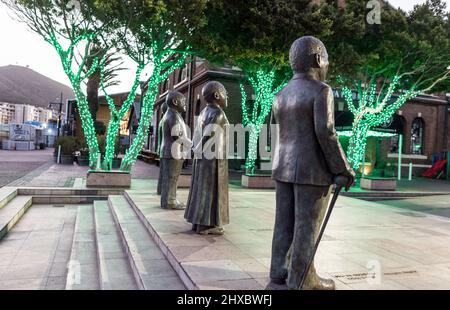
{"x": 60, "y": 103}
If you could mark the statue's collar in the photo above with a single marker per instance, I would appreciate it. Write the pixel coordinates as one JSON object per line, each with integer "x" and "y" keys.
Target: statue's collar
{"x": 297, "y": 76}
{"x": 175, "y": 111}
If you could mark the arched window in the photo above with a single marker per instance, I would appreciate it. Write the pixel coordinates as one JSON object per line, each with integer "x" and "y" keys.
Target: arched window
{"x": 417, "y": 136}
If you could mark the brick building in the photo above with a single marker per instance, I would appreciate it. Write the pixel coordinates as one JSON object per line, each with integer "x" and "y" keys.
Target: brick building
{"x": 425, "y": 124}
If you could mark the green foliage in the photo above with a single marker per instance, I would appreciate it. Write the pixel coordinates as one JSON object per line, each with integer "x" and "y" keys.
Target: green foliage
{"x": 406, "y": 55}
{"x": 156, "y": 33}
{"x": 414, "y": 45}
{"x": 256, "y": 35}
{"x": 68, "y": 145}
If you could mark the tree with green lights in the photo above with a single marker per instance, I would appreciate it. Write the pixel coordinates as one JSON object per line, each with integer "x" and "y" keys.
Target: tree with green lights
{"x": 255, "y": 36}
{"x": 71, "y": 29}
{"x": 155, "y": 35}
{"x": 406, "y": 55}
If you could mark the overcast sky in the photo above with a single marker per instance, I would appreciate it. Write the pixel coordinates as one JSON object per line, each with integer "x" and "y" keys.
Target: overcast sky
{"x": 19, "y": 46}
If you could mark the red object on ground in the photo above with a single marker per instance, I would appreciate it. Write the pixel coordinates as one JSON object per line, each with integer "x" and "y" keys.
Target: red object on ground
{"x": 435, "y": 169}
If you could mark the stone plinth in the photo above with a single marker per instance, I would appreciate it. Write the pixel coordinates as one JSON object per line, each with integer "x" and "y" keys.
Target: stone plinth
{"x": 378, "y": 184}
{"x": 257, "y": 181}
{"x": 108, "y": 179}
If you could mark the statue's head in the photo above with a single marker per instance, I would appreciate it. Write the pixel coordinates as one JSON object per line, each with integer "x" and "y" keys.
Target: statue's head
{"x": 308, "y": 54}
{"x": 215, "y": 92}
{"x": 176, "y": 100}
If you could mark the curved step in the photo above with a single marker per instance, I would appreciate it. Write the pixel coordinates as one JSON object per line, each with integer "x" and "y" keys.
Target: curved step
{"x": 113, "y": 266}
{"x": 151, "y": 269}
{"x": 12, "y": 212}
{"x": 82, "y": 271}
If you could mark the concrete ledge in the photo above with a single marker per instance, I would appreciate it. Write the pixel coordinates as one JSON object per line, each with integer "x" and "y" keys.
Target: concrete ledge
{"x": 203, "y": 262}
{"x": 12, "y": 213}
{"x": 67, "y": 191}
{"x": 379, "y": 184}
{"x": 6, "y": 195}
{"x": 108, "y": 179}
{"x": 53, "y": 199}
{"x": 257, "y": 181}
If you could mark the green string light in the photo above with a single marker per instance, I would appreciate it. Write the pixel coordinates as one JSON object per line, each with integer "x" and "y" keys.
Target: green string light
{"x": 116, "y": 116}
{"x": 264, "y": 90}
{"x": 370, "y": 112}
{"x": 161, "y": 71}
{"x": 76, "y": 78}
{"x": 370, "y": 133}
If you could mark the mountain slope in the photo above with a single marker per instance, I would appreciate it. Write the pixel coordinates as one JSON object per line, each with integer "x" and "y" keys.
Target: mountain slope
{"x": 25, "y": 86}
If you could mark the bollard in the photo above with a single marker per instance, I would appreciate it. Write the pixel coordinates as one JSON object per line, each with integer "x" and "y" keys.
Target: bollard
{"x": 399, "y": 164}
{"x": 410, "y": 171}
{"x": 59, "y": 154}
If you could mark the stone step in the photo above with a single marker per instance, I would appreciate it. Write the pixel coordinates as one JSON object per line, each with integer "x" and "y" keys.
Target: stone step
{"x": 12, "y": 212}
{"x": 82, "y": 267}
{"x": 66, "y": 200}
{"x": 6, "y": 195}
{"x": 150, "y": 268}
{"x": 114, "y": 269}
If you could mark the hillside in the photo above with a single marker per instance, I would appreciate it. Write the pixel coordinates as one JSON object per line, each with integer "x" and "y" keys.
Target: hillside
{"x": 23, "y": 85}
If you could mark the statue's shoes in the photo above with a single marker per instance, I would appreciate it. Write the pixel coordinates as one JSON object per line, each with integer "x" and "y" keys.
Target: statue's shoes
{"x": 318, "y": 283}
{"x": 213, "y": 231}
{"x": 276, "y": 286}
{"x": 178, "y": 206}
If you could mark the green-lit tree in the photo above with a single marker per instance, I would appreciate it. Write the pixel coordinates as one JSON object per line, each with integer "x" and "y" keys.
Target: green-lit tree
{"x": 154, "y": 34}
{"x": 255, "y": 35}
{"x": 70, "y": 27}
{"x": 404, "y": 56}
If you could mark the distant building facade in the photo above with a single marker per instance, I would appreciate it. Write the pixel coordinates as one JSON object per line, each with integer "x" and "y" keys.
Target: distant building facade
{"x": 21, "y": 113}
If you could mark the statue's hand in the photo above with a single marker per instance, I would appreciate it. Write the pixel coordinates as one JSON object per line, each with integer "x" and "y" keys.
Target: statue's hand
{"x": 345, "y": 180}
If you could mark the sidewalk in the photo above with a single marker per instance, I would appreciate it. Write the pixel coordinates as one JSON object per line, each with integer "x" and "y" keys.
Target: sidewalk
{"x": 55, "y": 175}
{"x": 366, "y": 245}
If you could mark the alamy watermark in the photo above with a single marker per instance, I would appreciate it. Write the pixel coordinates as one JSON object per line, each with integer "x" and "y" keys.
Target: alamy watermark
{"x": 226, "y": 142}
{"x": 373, "y": 17}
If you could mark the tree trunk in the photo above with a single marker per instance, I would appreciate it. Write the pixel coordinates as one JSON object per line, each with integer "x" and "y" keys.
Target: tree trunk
{"x": 357, "y": 145}
{"x": 144, "y": 123}
{"x": 252, "y": 149}
{"x": 92, "y": 87}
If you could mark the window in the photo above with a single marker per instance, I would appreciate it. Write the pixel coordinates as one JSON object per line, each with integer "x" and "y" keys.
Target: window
{"x": 417, "y": 136}
{"x": 182, "y": 74}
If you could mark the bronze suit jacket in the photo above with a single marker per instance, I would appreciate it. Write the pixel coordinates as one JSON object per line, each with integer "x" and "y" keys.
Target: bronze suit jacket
{"x": 175, "y": 140}
{"x": 307, "y": 150}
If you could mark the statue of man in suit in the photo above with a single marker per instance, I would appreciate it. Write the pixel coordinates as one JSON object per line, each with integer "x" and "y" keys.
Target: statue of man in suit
{"x": 207, "y": 206}
{"x": 175, "y": 144}
{"x": 163, "y": 110}
{"x": 307, "y": 157}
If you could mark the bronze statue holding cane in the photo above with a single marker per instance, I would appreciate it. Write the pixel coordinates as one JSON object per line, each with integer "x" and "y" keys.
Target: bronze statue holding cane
{"x": 307, "y": 160}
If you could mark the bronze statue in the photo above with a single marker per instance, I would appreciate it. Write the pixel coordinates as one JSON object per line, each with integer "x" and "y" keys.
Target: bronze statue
{"x": 163, "y": 109}
{"x": 307, "y": 156}
{"x": 207, "y": 206}
{"x": 174, "y": 144}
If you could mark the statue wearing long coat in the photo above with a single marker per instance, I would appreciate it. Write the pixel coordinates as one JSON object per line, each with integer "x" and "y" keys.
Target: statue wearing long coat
{"x": 208, "y": 196}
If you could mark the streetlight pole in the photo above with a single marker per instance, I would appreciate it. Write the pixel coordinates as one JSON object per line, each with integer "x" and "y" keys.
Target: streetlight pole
{"x": 60, "y": 103}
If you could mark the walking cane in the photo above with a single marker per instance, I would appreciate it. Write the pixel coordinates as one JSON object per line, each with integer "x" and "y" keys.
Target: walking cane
{"x": 340, "y": 182}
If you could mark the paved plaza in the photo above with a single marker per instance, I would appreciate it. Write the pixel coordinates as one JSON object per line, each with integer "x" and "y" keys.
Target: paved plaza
{"x": 366, "y": 245}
